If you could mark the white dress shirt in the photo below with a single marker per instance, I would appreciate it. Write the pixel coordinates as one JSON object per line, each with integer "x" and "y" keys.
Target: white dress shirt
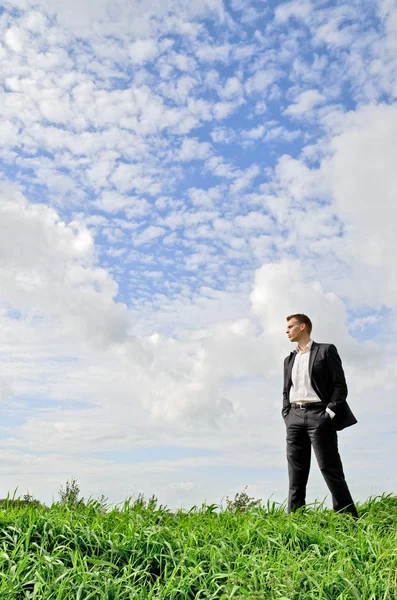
{"x": 302, "y": 389}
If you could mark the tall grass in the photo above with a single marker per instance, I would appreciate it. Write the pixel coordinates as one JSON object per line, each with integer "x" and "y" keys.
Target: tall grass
{"x": 141, "y": 551}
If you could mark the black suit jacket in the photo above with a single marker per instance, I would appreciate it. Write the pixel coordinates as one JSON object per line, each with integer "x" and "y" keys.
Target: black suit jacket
{"x": 328, "y": 381}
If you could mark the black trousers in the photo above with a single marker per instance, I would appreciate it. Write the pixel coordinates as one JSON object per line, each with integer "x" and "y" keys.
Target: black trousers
{"x": 307, "y": 427}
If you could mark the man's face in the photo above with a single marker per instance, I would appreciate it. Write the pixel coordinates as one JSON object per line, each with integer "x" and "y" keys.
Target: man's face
{"x": 295, "y": 330}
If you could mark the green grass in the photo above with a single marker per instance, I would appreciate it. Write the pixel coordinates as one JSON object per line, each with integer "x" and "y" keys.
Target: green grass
{"x": 139, "y": 551}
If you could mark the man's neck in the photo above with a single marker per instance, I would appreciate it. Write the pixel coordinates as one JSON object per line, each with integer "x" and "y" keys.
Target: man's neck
{"x": 303, "y": 343}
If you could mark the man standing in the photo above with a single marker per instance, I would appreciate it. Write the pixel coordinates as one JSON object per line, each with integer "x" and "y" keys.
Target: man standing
{"x": 314, "y": 408}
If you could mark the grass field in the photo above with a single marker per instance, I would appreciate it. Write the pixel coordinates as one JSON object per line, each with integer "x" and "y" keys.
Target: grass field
{"x": 142, "y": 551}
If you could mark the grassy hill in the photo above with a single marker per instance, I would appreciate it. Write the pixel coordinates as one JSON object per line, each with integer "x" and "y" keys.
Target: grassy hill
{"x": 142, "y": 551}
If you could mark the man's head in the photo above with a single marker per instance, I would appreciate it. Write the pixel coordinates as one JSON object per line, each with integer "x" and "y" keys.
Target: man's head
{"x": 299, "y": 328}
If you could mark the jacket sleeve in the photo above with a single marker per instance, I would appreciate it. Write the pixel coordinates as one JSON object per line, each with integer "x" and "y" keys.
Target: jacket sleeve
{"x": 286, "y": 403}
{"x": 339, "y": 393}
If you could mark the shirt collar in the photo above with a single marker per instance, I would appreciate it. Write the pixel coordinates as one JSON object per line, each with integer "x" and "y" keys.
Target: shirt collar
{"x": 305, "y": 349}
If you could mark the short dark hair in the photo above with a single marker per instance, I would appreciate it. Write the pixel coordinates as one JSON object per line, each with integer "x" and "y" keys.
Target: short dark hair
{"x": 302, "y": 319}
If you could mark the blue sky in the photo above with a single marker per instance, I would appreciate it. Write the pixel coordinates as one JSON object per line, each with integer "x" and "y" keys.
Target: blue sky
{"x": 177, "y": 178}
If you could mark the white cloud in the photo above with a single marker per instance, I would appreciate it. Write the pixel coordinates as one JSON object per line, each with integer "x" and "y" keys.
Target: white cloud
{"x": 180, "y": 90}
{"x": 149, "y": 234}
{"x": 262, "y": 80}
{"x": 294, "y": 183}
{"x": 351, "y": 192}
{"x": 113, "y": 202}
{"x": 205, "y": 198}
{"x": 14, "y": 38}
{"x": 232, "y": 88}
{"x": 183, "y": 485}
{"x": 35, "y": 21}
{"x": 127, "y": 177}
{"x": 363, "y": 322}
{"x": 244, "y": 180}
{"x": 142, "y": 51}
{"x": 254, "y": 220}
{"x": 281, "y": 134}
{"x": 333, "y": 32}
{"x": 129, "y": 17}
{"x": 192, "y": 149}
{"x": 214, "y": 54}
{"x": 223, "y": 135}
{"x": 305, "y": 102}
{"x": 363, "y": 178}
{"x": 255, "y": 133}
{"x": 222, "y": 110}
{"x": 51, "y": 271}
{"x": 299, "y": 9}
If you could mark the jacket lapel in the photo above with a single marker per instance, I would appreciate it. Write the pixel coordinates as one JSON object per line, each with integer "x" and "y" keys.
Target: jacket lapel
{"x": 313, "y": 353}
{"x": 290, "y": 364}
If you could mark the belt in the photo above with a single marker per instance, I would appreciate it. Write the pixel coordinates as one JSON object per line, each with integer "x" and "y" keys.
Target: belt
{"x": 306, "y": 404}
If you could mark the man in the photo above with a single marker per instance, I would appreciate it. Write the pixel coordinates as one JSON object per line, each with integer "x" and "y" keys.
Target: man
{"x": 314, "y": 408}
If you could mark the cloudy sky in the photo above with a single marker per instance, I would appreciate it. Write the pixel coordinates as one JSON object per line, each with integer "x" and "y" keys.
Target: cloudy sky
{"x": 176, "y": 178}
